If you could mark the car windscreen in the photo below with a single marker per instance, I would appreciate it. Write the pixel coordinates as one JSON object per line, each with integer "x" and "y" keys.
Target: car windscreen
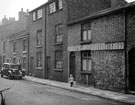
{"x": 14, "y": 66}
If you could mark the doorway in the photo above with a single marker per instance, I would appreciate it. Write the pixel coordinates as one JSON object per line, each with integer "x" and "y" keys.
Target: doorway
{"x": 131, "y": 61}
{"x": 48, "y": 68}
{"x": 31, "y": 66}
{"x": 72, "y": 64}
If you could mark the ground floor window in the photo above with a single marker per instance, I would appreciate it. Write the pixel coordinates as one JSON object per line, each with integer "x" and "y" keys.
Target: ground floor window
{"x": 86, "y": 60}
{"x": 3, "y": 59}
{"x": 58, "y": 59}
{"x": 24, "y": 63}
{"x": 39, "y": 59}
{"x": 14, "y": 60}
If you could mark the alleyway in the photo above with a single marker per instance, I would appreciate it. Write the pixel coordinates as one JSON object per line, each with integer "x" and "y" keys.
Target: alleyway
{"x": 27, "y": 93}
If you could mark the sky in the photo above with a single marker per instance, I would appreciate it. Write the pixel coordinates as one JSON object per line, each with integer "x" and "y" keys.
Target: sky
{"x": 10, "y": 8}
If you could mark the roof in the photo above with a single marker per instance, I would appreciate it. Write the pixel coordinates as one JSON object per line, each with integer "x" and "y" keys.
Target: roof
{"x": 102, "y": 13}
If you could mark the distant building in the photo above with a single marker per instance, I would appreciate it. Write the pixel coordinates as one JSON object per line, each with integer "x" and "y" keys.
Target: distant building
{"x": 11, "y": 26}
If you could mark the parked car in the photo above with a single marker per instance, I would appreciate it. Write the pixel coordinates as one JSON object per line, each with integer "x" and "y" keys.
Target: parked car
{"x": 12, "y": 71}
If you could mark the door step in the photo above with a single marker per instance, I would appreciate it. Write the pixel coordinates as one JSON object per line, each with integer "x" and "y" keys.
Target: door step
{"x": 132, "y": 92}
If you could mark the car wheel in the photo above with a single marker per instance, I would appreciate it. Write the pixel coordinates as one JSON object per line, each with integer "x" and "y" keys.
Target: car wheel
{"x": 20, "y": 77}
{"x": 9, "y": 76}
{"x": 2, "y": 75}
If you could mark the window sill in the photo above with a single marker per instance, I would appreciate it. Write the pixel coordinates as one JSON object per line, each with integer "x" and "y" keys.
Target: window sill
{"x": 39, "y": 46}
{"x": 39, "y": 68}
{"x": 14, "y": 53}
{"x": 86, "y": 72}
{"x": 85, "y": 42}
{"x": 59, "y": 43}
{"x": 37, "y": 19}
{"x": 56, "y": 11}
{"x": 58, "y": 70}
{"x": 24, "y": 52}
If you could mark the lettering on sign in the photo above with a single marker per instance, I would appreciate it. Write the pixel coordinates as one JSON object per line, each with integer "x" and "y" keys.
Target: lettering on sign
{"x": 98, "y": 46}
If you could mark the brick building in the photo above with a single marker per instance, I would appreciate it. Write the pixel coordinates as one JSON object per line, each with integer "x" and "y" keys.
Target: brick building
{"x": 11, "y": 26}
{"x": 18, "y": 51}
{"x": 58, "y": 13}
{"x": 37, "y": 34}
{"x": 101, "y": 49}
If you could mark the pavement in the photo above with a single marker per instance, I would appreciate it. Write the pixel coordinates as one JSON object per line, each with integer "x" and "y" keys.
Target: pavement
{"x": 116, "y": 96}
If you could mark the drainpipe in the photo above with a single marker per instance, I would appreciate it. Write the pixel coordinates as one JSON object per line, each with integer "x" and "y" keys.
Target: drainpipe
{"x": 125, "y": 51}
{"x": 45, "y": 43}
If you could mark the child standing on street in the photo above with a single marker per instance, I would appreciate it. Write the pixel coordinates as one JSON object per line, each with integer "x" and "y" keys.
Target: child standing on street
{"x": 71, "y": 80}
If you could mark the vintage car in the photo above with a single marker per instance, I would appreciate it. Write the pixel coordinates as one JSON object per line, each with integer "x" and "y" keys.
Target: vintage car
{"x": 12, "y": 71}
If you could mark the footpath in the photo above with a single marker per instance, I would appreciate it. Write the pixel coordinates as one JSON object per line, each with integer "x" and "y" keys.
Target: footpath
{"x": 116, "y": 96}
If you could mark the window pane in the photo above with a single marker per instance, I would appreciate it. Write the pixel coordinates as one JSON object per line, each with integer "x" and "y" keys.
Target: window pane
{"x": 52, "y": 7}
{"x": 89, "y": 64}
{"x": 84, "y": 35}
{"x": 89, "y": 34}
{"x": 39, "y": 13}
{"x": 84, "y": 64}
{"x": 34, "y": 16}
{"x": 60, "y": 4}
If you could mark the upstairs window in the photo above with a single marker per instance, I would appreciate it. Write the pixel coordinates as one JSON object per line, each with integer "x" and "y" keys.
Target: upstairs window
{"x": 58, "y": 59}
{"x": 39, "y": 38}
{"x": 59, "y": 33}
{"x": 37, "y": 14}
{"x": 52, "y": 7}
{"x": 34, "y": 16}
{"x": 86, "y": 32}
{"x": 14, "y": 46}
{"x": 60, "y": 4}
{"x": 86, "y": 60}
{"x": 24, "y": 45}
{"x": 4, "y": 45}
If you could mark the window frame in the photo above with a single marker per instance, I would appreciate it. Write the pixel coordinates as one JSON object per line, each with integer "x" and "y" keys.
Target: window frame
{"x": 88, "y": 60}
{"x": 86, "y": 27}
{"x": 24, "y": 45}
{"x": 14, "y": 47}
{"x": 39, "y": 38}
{"x": 58, "y": 34}
{"x": 58, "y": 59}
{"x": 39, "y": 59}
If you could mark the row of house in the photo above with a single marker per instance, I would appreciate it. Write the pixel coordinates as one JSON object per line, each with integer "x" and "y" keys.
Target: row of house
{"x": 91, "y": 39}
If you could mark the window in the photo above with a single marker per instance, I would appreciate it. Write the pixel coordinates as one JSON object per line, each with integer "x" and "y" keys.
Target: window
{"x": 24, "y": 63}
{"x": 52, "y": 7}
{"x": 4, "y": 59}
{"x": 59, "y": 33}
{"x": 60, "y": 4}
{"x": 39, "y": 38}
{"x": 86, "y": 61}
{"x": 4, "y": 45}
{"x": 14, "y": 46}
{"x": 24, "y": 45}
{"x": 39, "y": 14}
{"x": 39, "y": 59}
{"x": 58, "y": 60}
{"x": 86, "y": 32}
{"x": 34, "y": 16}
{"x": 14, "y": 60}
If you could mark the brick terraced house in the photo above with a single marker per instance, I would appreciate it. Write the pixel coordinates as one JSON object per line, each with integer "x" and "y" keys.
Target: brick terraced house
{"x": 58, "y": 13}
{"x": 101, "y": 49}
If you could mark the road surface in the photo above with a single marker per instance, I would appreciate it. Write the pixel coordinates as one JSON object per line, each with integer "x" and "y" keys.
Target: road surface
{"x": 24, "y": 92}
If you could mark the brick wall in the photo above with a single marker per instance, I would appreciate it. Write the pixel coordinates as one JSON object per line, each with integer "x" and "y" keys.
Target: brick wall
{"x": 108, "y": 66}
